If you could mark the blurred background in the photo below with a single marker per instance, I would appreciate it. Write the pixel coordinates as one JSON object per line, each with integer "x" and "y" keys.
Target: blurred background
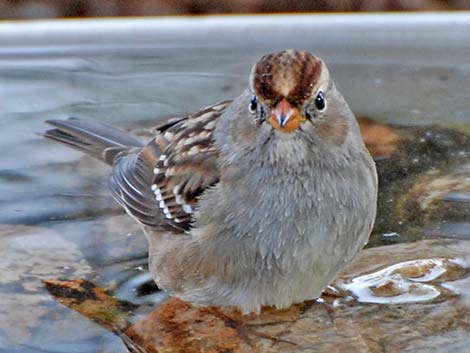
{"x": 26, "y": 9}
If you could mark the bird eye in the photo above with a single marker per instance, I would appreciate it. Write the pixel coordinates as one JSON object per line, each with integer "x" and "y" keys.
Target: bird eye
{"x": 253, "y": 104}
{"x": 320, "y": 101}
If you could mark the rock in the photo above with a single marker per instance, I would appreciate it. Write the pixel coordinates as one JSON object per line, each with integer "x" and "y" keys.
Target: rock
{"x": 28, "y": 255}
{"x": 438, "y": 196}
{"x": 392, "y": 299}
{"x": 423, "y": 177}
{"x": 421, "y": 287}
{"x": 437, "y": 325}
{"x": 93, "y": 302}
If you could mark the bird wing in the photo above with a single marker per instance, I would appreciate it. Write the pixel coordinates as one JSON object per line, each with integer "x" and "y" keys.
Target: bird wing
{"x": 159, "y": 184}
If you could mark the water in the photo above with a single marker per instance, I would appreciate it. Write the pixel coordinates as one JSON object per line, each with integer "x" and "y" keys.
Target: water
{"x": 62, "y": 199}
{"x": 392, "y": 286}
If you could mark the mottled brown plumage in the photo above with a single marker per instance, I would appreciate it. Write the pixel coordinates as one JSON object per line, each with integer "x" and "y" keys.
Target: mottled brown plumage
{"x": 186, "y": 164}
{"x": 267, "y": 197}
{"x": 287, "y": 74}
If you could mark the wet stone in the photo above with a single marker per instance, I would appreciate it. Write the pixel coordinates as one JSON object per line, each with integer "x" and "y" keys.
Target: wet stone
{"x": 391, "y": 299}
{"x": 424, "y": 178}
{"x": 29, "y": 255}
{"x": 438, "y": 195}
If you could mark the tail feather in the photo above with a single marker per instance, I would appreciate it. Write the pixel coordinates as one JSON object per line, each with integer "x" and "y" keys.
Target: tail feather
{"x": 93, "y": 138}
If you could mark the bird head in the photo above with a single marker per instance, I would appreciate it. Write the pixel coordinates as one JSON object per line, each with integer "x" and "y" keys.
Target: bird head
{"x": 292, "y": 90}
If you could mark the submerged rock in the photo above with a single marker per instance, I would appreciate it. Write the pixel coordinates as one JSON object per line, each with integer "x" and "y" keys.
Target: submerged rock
{"x": 424, "y": 179}
{"x": 436, "y": 196}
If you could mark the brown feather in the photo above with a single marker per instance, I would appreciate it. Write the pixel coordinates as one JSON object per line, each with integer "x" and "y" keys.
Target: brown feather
{"x": 187, "y": 164}
{"x": 287, "y": 74}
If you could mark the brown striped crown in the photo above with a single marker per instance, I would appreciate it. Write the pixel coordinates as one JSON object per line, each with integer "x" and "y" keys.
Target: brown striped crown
{"x": 289, "y": 74}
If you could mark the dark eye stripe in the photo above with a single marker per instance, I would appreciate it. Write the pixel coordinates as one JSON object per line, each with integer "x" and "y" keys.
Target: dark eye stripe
{"x": 253, "y": 104}
{"x": 308, "y": 116}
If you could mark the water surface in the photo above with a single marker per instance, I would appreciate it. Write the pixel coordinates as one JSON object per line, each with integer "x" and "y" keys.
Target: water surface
{"x": 62, "y": 197}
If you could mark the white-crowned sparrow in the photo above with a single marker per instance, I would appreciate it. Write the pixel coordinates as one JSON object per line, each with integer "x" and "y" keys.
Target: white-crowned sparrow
{"x": 257, "y": 201}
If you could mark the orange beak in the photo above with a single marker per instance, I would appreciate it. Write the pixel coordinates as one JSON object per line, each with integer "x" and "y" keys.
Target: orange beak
{"x": 284, "y": 117}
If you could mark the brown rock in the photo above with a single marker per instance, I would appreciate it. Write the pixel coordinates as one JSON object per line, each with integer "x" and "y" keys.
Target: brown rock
{"x": 438, "y": 196}
{"x": 423, "y": 288}
{"x": 93, "y": 302}
{"x": 342, "y": 325}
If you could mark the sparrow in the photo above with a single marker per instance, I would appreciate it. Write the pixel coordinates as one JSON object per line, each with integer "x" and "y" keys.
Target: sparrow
{"x": 258, "y": 201}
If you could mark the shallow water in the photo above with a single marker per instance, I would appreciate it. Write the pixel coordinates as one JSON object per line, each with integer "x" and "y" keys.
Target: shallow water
{"x": 63, "y": 197}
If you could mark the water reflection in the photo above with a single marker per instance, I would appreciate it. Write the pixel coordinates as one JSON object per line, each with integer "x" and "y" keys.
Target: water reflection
{"x": 400, "y": 283}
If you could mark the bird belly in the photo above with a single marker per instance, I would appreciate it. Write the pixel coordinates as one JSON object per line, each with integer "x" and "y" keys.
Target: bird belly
{"x": 282, "y": 255}
{"x": 246, "y": 277}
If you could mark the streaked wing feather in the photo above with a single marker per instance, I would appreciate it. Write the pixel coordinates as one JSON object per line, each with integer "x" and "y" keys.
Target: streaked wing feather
{"x": 159, "y": 185}
{"x": 129, "y": 184}
{"x": 188, "y": 165}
